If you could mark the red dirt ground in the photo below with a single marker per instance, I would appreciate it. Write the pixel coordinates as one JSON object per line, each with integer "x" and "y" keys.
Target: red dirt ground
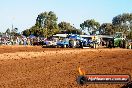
{"x": 36, "y": 67}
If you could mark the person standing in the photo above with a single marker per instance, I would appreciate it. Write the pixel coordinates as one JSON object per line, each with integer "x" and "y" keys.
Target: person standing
{"x": 25, "y": 41}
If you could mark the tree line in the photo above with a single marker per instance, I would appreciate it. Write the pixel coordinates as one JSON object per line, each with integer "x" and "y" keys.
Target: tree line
{"x": 120, "y": 23}
{"x": 46, "y": 25}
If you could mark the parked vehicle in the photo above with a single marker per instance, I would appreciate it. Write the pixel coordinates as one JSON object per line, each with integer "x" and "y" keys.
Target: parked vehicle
{"x": 63, "y": 43}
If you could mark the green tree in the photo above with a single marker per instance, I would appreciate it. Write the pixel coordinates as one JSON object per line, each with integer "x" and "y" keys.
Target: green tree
{"x": 129, "y": 36}
{"x": 65, "y": 27}
{"x": 26, "y": 32}
{"x": 46, "y": 25}
{"x": 82, "y": 26}
{"x": 123, "y": 23}
{"x": 91, "y": 25}
{"x": 106, "y": 29}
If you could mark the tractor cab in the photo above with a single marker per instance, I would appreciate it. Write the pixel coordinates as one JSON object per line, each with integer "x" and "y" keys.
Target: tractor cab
{"x": 119, "y": 40}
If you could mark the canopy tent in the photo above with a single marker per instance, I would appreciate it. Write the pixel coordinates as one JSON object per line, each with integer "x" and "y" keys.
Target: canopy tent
{"x": 23, "y": 36}
{"x": 31, "y": 36}
{"x": 60, "y": 35}
{"x": 75, "y": 37}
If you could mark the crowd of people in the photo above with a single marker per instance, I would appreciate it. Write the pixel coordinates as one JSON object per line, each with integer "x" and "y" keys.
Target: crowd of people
{"x": 22, "y": 40}
{"x": 19, "y": 40}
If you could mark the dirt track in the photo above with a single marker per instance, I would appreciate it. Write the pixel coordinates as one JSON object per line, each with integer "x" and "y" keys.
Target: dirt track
{"x": 36, "y": 67}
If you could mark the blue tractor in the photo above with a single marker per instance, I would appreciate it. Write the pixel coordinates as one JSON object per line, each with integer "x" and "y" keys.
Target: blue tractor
{"x": 63, "y": 43}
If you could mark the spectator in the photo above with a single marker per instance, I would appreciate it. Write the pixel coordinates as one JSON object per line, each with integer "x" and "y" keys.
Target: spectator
{"x": 25, "y": 41}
